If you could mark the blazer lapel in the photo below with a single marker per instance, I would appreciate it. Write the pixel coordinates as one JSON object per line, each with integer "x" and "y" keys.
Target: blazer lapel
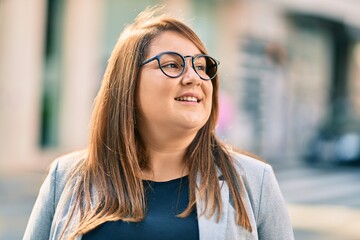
{"x": 208, "y": 227}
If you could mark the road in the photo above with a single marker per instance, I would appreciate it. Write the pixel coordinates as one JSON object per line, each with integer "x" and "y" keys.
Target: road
{"x": 324, "y": 203}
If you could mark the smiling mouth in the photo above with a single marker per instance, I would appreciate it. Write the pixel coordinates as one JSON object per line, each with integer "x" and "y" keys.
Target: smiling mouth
{"x": 187, "y": 99}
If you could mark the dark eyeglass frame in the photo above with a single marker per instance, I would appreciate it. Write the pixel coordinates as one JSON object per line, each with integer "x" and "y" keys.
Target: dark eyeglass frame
{"x": 157, "y": 57}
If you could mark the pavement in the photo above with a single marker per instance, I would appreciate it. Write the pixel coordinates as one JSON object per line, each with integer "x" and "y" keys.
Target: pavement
{"x": 311, "y": 221}
{"x": 323, "y": 200}
{"x": 325, "y": 222}
{"x": 18, "y": 194}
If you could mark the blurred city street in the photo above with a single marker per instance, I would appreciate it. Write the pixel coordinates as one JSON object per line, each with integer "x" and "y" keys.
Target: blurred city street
{"x": 324, "y": 203}
{"x": 18, "y": 193}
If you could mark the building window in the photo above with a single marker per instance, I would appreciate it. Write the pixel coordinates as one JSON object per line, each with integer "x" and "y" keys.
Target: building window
{"x": 51, "y": 74}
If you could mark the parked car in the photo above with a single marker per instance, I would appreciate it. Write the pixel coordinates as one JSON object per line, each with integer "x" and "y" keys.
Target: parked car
{"x": 337, "y": 144}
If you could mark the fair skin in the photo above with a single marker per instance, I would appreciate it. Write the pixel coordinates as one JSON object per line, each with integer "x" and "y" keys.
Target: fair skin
{"x": 166, "y": 124}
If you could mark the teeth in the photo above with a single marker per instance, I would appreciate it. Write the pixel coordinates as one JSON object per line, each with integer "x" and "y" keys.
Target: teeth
{"x": 187, "y": 99}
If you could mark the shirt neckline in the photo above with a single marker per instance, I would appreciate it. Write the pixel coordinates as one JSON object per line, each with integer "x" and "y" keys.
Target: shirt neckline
{"x": 167, "y": 181}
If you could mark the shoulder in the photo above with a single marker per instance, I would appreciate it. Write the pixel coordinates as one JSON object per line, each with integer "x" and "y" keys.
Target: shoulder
{"x": 46, "y": 205}
{"x": 264, "y": 195}
{"x": 67, "y": 163}
{"x": 247, "y": 165}
{"x": 255, "y": 174}
{"x": 63, "y": 168}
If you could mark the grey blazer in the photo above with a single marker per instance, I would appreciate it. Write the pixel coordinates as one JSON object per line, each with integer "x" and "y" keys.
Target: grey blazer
{"x": 262, "y": 197}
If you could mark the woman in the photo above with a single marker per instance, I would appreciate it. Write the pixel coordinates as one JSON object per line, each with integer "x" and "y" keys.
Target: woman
{"x": 154, "y": 168}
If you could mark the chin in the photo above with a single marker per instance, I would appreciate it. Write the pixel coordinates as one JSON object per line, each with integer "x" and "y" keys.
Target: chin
{"x": 195, "y": 126}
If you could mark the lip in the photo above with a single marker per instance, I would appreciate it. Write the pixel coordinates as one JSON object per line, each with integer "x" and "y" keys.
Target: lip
{"x": 189, "y": 94}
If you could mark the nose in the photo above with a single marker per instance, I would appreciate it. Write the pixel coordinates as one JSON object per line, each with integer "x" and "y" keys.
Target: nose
{"x": 190, "y": 76}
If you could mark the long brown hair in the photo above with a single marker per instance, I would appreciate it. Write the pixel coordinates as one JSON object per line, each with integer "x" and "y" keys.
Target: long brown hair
{"x": 116, "y": 154}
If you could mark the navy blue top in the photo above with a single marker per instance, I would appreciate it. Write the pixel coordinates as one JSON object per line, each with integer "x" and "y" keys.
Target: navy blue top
{"x": 164, "y": 201}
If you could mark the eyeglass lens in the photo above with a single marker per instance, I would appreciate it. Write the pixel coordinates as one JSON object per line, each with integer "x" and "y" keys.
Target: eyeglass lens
{"x": 173, "y": 64}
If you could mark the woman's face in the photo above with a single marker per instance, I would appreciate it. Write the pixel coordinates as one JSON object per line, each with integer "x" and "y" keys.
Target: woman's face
{"x": 172, "y": 105}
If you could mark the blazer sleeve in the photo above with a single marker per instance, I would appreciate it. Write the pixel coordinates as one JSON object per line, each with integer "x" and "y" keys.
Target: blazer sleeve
{"x": 39, "y": 224}
{"x": 273, "y": 221}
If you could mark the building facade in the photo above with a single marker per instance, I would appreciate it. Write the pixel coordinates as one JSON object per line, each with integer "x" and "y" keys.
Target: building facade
{"x": 284, "y": 67}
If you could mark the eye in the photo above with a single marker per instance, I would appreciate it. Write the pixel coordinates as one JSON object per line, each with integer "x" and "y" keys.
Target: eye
{"x": 171, "y": 65}
{"x": 200, "y": 67}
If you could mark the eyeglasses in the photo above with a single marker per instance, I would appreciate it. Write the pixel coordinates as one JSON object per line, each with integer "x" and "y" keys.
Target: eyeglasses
{"x": 173, "y": 65}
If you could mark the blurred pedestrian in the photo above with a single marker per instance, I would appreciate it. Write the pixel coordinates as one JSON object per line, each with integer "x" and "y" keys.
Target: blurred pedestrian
{"x": 154, "y": 168}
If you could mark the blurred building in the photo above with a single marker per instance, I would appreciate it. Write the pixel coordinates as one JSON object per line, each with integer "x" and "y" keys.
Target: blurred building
{"x": 287, "y": 68}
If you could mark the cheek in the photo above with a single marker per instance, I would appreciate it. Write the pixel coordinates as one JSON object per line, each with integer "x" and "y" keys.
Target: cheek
{"x": 153, "y": 94}
{"x": 209, "y": 94}
{"x": 144, "y": 94}
{"x": 211, "y": 100}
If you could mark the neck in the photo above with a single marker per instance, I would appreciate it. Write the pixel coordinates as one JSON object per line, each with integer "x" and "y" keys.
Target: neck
{"x": 167, "y": 158}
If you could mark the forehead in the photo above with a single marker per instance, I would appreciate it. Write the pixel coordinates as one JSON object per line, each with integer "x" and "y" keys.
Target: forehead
{"x": 174, "y": 42}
